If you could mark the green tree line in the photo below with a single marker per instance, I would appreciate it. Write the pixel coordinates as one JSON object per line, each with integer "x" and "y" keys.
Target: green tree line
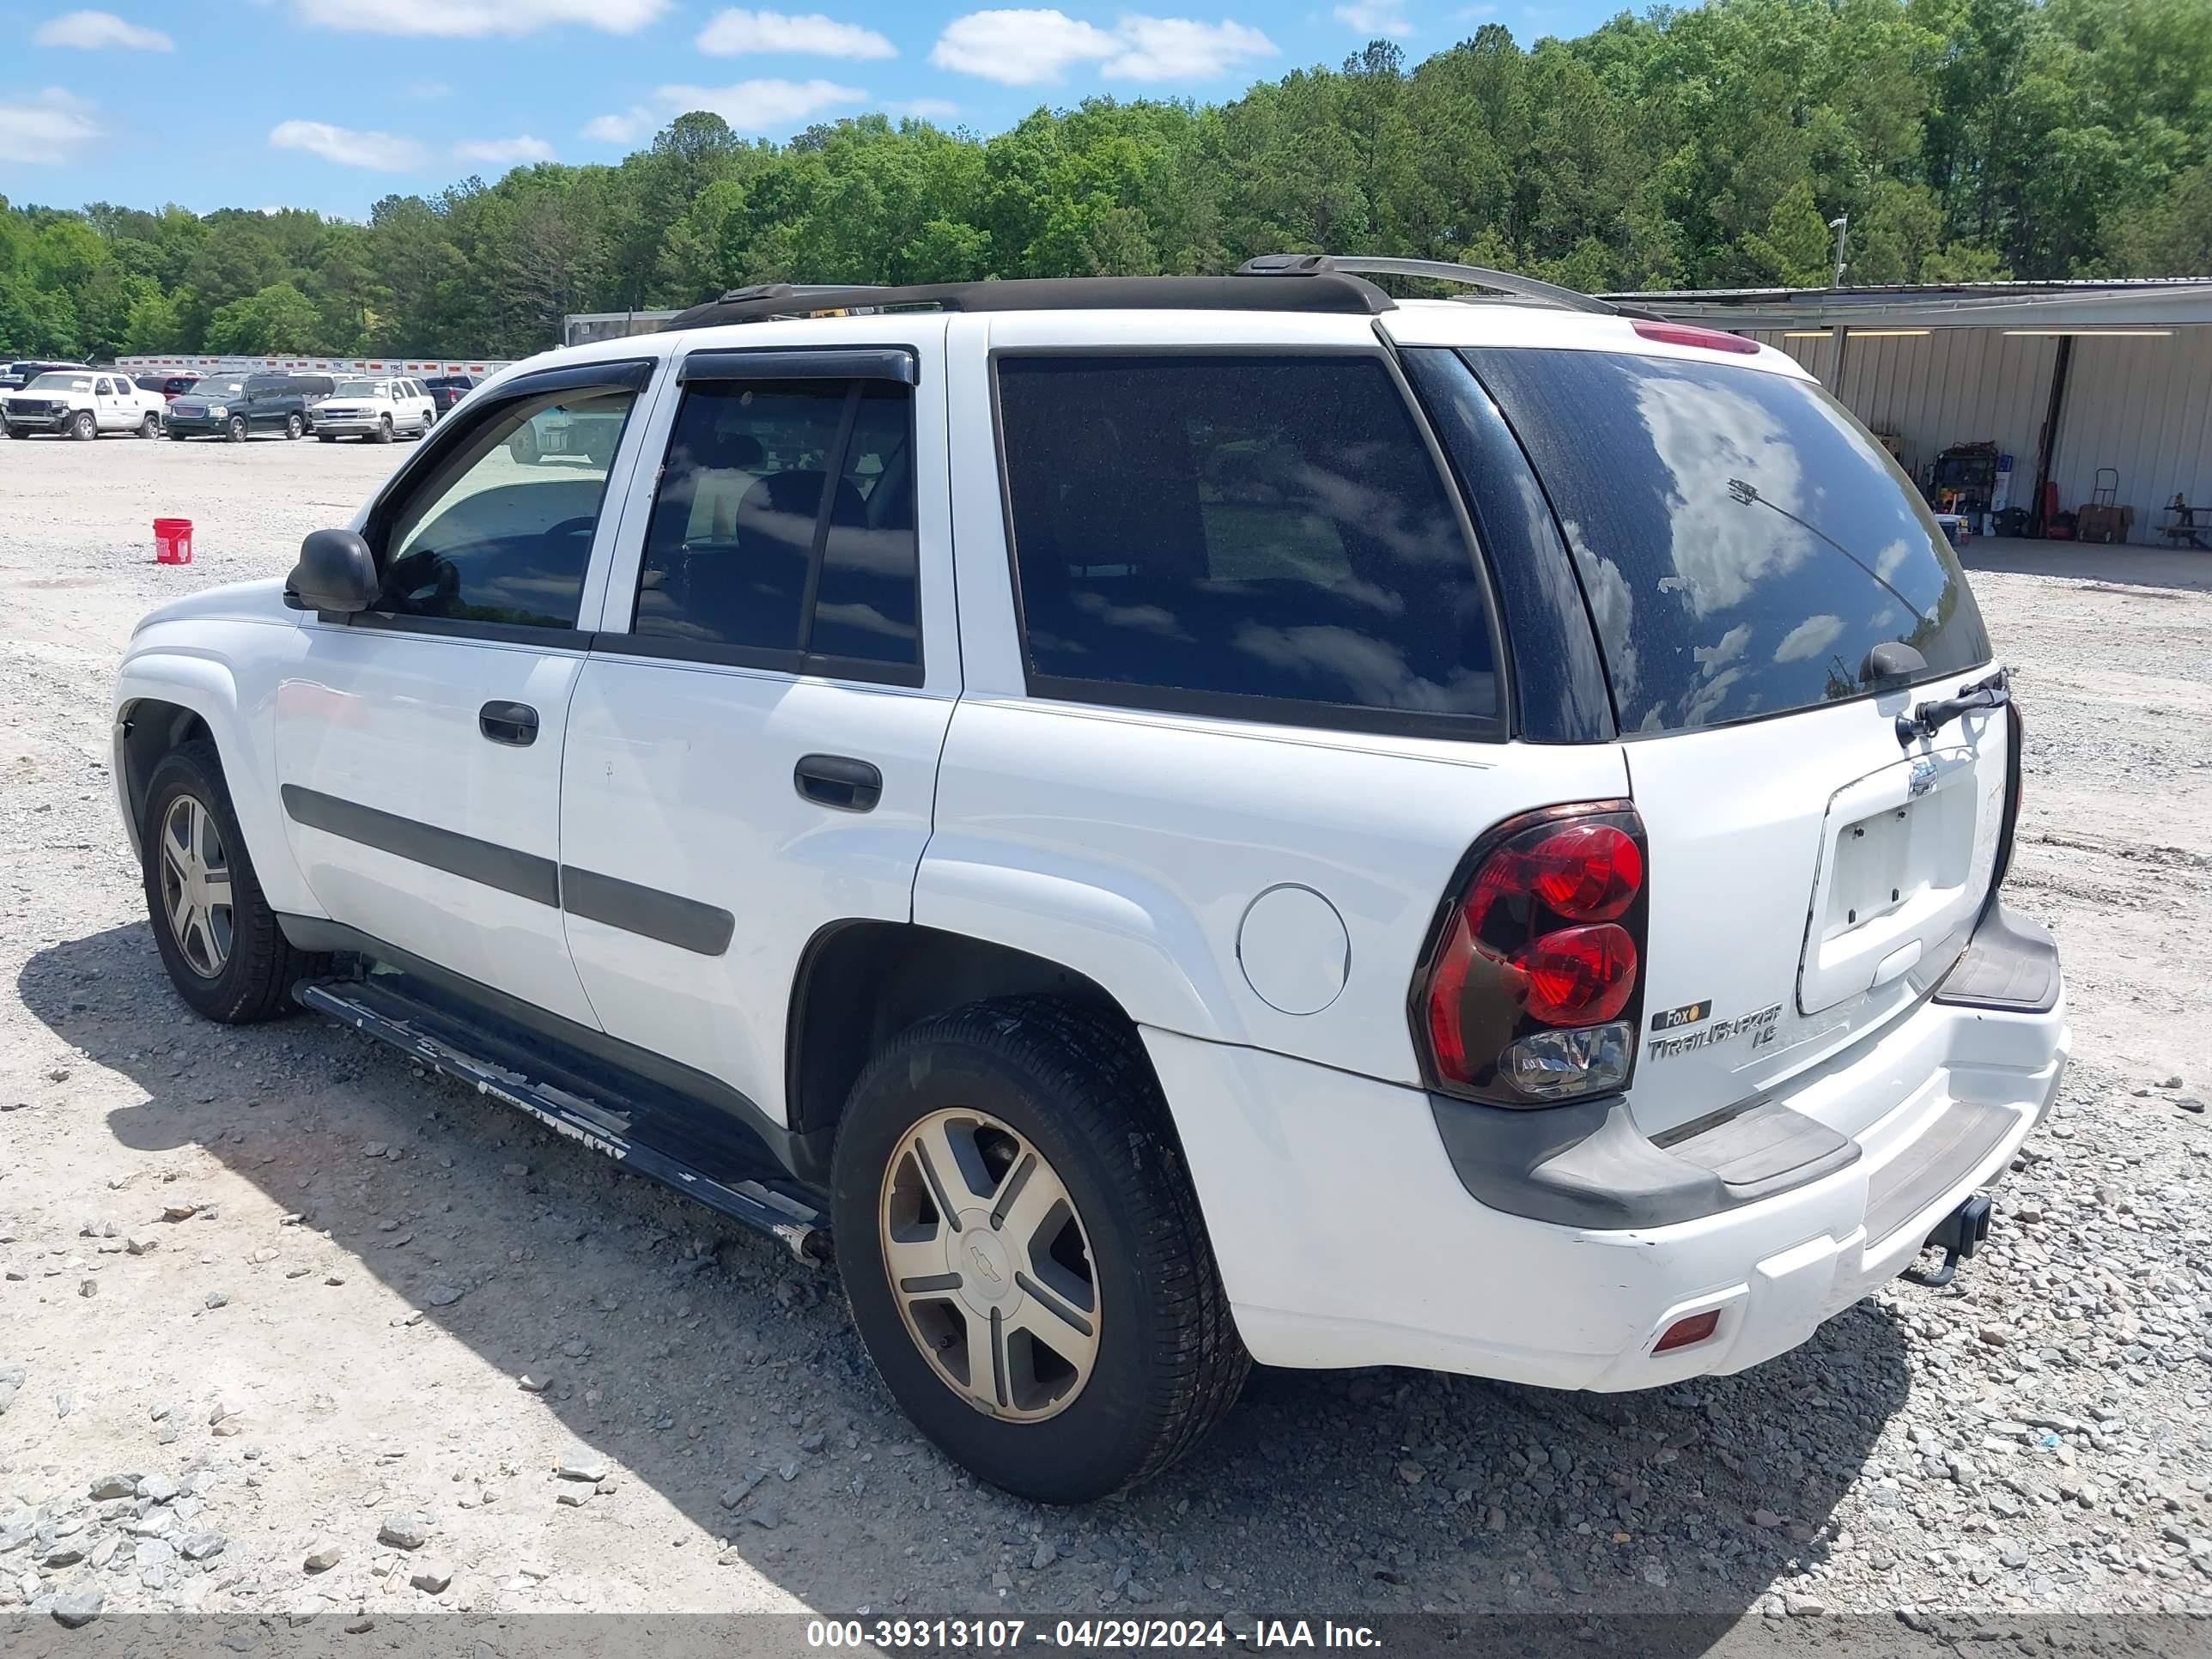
{"x": 1706, "y": 147}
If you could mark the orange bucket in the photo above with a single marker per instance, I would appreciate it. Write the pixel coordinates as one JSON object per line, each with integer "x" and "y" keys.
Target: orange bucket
{"x": 172, "y": 541}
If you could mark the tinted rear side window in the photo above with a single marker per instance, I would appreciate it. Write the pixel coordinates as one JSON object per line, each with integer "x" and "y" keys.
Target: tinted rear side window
{"x": 784, "y": 524}
{"x": 1744, "y": 542}
{"x": 1240, "y": 535}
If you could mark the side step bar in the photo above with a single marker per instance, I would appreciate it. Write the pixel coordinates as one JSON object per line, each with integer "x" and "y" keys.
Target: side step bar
{"x": 801, "y": 1229}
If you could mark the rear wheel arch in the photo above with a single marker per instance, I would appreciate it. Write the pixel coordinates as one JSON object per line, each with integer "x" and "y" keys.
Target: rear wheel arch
{"x": 886, "y": 976}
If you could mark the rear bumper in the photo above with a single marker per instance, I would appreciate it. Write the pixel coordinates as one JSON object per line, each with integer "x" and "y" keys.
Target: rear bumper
{"x": 1346, "y": 1237}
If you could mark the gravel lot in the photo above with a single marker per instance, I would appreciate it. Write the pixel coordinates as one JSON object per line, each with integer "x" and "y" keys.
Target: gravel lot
{"x": 273, "y": 1298}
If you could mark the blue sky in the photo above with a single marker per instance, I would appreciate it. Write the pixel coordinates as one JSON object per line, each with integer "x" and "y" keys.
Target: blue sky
{"x": 331, "y": 104}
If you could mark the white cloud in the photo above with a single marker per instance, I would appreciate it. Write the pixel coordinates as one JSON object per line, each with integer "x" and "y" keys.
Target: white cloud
{"x": 474, "y": 19}
{"x": 96, "y": 30}
{"x": 46, "y": 127}
{"x": 758, "y": 106}
{"x": 380, "y": 152}
{"x": 734, "y": 32}
{"x": 1027, "y": 48}
{"x": 1020, "y": 48}
{"x": 1181, "y": 49}
{"x": 1374, "y": 17}
{"x": 618, "y": 129}
{"x": 504, "y": 152}
{"x": 925, "y": 109}
{"x": 1809, "y": 639}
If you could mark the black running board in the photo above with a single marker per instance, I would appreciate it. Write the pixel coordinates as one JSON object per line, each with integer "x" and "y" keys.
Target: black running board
{"x": 602, "y": 1126}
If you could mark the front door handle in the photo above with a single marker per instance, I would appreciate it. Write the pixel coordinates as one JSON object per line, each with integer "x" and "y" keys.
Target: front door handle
{"x": 839, "y": 780}
{"x": 514, "y": 723}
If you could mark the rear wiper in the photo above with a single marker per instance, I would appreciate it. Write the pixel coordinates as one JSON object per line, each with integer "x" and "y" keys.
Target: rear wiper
{"x": 1746, "y": 494}
{"x": 1927, "y": 719}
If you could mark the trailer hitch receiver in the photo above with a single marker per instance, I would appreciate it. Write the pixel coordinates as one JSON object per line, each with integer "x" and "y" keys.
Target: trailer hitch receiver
{"x": 1959, "y": 1235}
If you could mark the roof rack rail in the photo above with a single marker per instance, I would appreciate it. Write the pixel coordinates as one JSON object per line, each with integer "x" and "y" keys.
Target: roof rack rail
{"x": 1340, "y": 292}
{"x": 785, "y": 291}
{"x": 1440, "y": 270}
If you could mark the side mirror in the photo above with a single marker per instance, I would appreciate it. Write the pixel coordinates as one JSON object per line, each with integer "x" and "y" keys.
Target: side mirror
{"x": 337, "y": 572}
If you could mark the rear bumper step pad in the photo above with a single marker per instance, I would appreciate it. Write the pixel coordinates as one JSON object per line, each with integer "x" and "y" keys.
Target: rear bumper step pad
{"x": 602, "y": 1126}
{"x": 1945, "y": 1154}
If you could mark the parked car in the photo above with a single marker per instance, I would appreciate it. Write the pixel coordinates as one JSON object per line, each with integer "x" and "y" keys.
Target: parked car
{"x": 236, "y": 406}
{"x": 1435, "y": 835}
{"x": 23, "y": 371}
{"x": 375, "y": 408}
{"x": 81, "y": 402}
{"x": 447, "y": 390}
{"x": 170, "y": 386}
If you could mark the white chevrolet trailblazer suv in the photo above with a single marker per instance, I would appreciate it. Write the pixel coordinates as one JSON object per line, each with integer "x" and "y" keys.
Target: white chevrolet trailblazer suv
{"x": 83, "y": 403}
{"x": 1181, "y": 820}
{"x": 374, "y": 409}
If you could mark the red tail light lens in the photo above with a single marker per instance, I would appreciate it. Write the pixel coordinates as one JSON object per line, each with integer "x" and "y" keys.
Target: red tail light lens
{"x": 1578, "y": 975}
{"x": 1530, "y": 987}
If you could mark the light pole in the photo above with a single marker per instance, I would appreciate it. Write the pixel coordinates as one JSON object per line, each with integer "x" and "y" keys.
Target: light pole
{"x": 1841, "y": 224}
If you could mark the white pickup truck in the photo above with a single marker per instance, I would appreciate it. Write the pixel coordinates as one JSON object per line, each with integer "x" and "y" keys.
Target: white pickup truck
{"x": 1184, "y": 821}
{"x": 373, "y": 409}
{"x": 83, "y": 403}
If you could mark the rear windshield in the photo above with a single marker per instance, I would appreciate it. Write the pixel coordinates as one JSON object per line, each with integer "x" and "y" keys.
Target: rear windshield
{"x": 1744, "y": 542}
{"x": 1240, "y": 536}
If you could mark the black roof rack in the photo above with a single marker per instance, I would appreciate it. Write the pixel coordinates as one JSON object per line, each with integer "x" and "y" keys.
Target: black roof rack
{"x": 1335, "y": 292}
{"x": 1440, "y": 270}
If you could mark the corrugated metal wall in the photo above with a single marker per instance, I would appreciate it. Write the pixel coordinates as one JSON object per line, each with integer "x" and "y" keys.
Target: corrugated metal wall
{"x": 2143, "y": 406}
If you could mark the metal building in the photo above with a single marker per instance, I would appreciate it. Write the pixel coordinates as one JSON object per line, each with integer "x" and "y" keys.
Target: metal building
{"x": 2065, "y": 377}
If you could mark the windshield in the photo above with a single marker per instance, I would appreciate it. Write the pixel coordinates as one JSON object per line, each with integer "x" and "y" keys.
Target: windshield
{"x": 1744, "y": 542}
{"x": 61, "y": 382}
{"x": 358, "y": 389}
{"x": 219, "y": 389}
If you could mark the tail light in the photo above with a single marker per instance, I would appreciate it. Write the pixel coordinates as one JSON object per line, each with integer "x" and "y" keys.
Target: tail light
{"x": 1531, "y": 986}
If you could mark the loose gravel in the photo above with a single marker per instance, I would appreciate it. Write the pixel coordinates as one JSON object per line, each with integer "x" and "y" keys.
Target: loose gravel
{"x": 288, "y": 1327}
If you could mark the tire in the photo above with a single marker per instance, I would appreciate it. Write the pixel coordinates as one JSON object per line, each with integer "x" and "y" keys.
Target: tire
{"x": 523, "y": 446}
{"x": 1073, "y": 1088}
{"x": 178, "y": 437}
{"x": 383, "y": 428}
{"x": 255, "y": 966}
{"x": 151, "y": 426}
{"x": 236, "y": 431}
{"x": 83, "y": 426}
{"x": 293, "y": 426}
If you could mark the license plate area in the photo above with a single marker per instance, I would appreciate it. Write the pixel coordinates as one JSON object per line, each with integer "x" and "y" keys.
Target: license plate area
{"x": 1900, "y": 853}
{"x": 1874, "y": 872}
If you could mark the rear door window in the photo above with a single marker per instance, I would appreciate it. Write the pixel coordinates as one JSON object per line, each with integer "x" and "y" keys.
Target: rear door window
{"x": 1743, "y": 542}
{"x": 783, "y": 532}
{"x": 1261, "y": 537}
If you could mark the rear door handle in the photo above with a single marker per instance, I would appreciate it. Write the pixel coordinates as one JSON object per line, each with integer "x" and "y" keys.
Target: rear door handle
{"x": 514, "y": 723}
{"x": 839, "y": 780}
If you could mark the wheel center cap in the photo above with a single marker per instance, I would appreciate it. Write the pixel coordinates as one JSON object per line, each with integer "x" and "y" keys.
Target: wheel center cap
{"x": 979, "y": 1254}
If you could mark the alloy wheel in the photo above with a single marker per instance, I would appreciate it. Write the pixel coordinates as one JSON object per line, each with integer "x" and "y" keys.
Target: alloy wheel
{"x": 196, "y": 885}
{"x": 990, "y": 1266}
